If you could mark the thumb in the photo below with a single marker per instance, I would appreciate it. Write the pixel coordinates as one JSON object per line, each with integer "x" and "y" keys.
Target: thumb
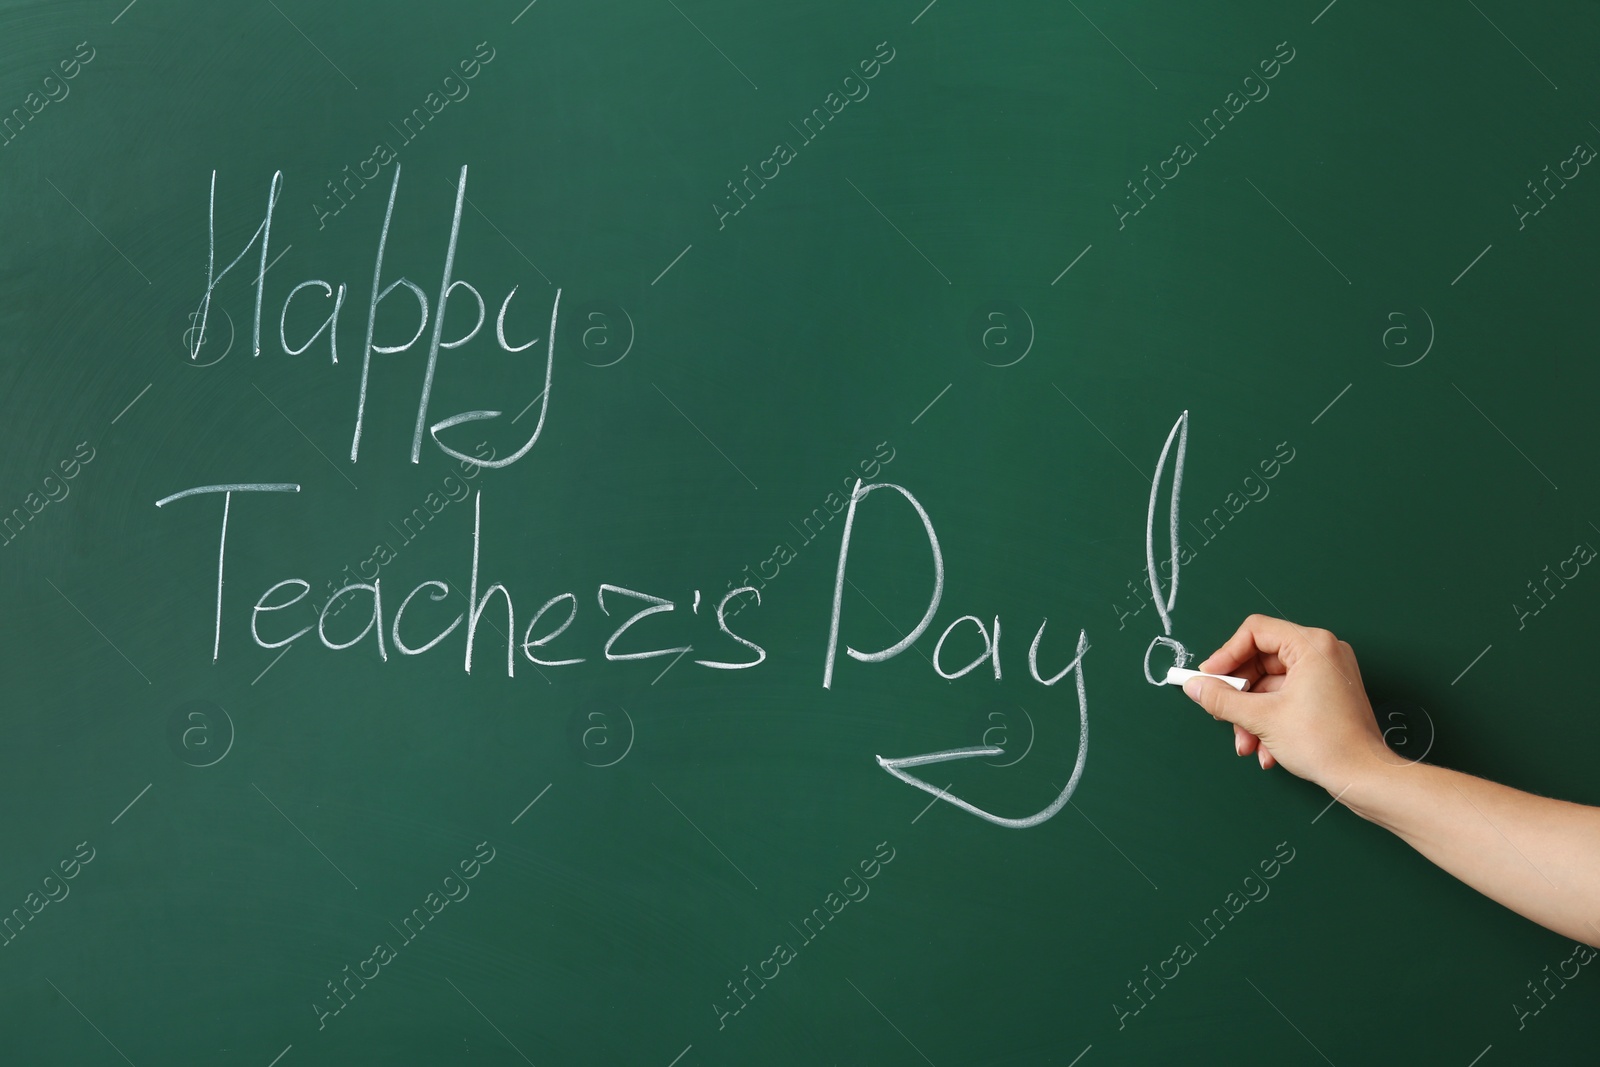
{"x": 1220, "y": 700}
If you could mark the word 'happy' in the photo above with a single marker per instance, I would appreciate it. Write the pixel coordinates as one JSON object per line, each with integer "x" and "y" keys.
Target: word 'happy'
{"x": 448, "y": 285}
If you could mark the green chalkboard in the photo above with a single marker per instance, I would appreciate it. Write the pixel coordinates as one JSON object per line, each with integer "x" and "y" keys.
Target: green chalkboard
{"x": 592, "y": 379}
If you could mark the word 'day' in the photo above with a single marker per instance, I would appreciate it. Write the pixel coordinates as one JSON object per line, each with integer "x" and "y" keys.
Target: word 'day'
{"x": 991, "y": 653}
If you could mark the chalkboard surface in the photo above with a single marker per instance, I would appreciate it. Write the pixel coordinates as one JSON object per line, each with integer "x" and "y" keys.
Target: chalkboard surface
{"x": 642, "y": 417}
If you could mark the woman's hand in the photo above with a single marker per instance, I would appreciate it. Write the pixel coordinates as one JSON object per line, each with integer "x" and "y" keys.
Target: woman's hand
{"x": 1305, "y": 707}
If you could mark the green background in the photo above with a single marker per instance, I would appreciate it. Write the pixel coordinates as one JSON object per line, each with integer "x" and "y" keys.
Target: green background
{"x": 842, "y": 313}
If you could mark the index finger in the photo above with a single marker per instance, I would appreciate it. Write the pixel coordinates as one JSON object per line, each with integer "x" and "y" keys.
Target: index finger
{"x": 1257, "y": 634}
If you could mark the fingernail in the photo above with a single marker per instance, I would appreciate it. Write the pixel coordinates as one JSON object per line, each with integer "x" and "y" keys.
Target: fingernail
{"x": 1191, "y": 689}
{"x": 1238, "y": 744}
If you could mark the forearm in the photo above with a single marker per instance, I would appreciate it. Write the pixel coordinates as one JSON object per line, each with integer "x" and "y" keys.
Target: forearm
{"x": 1305, "y": 707}
{"x": 1537, "y": 856}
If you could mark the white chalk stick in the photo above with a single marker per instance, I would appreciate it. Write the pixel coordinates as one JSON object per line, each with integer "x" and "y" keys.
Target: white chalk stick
{"x": 1178, "y": 675}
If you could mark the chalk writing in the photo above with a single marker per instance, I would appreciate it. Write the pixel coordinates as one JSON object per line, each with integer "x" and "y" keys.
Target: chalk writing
{"x": 1180, "y": 432}
{"x": 648, "y": 624}
{"x": 1253, "y": 489}
{"x": 195, "y": 337}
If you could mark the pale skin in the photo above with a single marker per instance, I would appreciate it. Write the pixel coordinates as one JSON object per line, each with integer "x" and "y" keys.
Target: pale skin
{"x": 1305, "y": 708}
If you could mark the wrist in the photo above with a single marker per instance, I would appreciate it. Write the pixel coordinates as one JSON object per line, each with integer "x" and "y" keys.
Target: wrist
{"x": 1375, "y": 788}
{"x": 1357, "y": 777}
